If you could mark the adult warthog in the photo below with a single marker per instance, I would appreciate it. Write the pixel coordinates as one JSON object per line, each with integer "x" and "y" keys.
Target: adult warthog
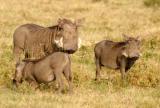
{"x": 45, "y": 70}
{"x": 36, "y": 41}
{"x": 117, "y": 55}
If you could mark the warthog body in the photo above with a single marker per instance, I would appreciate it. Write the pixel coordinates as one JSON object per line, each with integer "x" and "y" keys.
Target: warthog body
{"x": 37, "y": 41}
{"x": 45, "y": 70}
{"x": 116, "y": 55}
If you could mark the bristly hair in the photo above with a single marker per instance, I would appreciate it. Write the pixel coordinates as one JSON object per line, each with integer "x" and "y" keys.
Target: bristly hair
{"x": 43, "y": 39}
{"x": 119, "y": 44}
{"x": 67, "y": 21}
{"x": 54, "y": 27}
{"x": 34, "y": 60}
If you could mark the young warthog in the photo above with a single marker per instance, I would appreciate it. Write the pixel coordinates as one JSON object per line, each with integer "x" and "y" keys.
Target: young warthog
{"x": 117, "y": 55}
{"x": 45, "y": 70}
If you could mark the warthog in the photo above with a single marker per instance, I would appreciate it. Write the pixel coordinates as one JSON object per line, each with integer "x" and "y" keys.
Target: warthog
{"x": 37, "y": 41}
{"x": 44, "y": 70}
{"x": 117, "y": 55}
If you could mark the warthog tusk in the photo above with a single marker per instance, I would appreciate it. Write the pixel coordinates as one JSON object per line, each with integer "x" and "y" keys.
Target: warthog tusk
{"x": 59, "y": 42}
{"x": 125, "y": 54}
{"x": 56, "y": 41}
{"x": 140, "y": 54}
{"x": 79, "y": 42}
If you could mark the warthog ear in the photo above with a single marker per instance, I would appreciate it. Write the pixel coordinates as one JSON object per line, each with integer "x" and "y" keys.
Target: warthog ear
{"x": 60, "y": 22}
{"x": 79, "y": 22}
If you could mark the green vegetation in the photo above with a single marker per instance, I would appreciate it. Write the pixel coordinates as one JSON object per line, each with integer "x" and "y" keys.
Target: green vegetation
{"x": 103, "y": 20}
{"x": 152, "y": 3}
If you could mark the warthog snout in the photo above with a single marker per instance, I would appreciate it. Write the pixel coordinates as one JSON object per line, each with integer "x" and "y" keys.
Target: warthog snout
{"x": 135, "y": 55}
{"x": 70, "y": 48}
{"x": 67, "y": 45}
{"x": 16, "y": 83}
{"x": 69, "y": 51}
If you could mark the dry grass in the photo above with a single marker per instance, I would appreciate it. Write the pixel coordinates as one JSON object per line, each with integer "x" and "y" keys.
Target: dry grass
{"x": 124, "y": 98}
{"x": 104, "y": 19}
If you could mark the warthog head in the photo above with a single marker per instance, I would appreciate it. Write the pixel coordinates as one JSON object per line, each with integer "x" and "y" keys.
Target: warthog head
{"x": 132, "y": 47}
{"x": 68, "y": 39}
{"x": 18, "y": 73}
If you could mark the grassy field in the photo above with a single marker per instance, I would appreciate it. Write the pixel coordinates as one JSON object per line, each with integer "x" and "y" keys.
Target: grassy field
{"x": 104, "y": 19}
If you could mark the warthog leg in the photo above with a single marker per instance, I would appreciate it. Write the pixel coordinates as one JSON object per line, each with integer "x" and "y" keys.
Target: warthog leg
{"x": 34, "y": 84}
{"x": 123, "y": 68}
{"x": 98, "y": 67}
{"x": 17, "y": 54}
{"x": 68, "y": 76}
{"x": 32, "y": 81}
{"x": 59, "y": 80}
